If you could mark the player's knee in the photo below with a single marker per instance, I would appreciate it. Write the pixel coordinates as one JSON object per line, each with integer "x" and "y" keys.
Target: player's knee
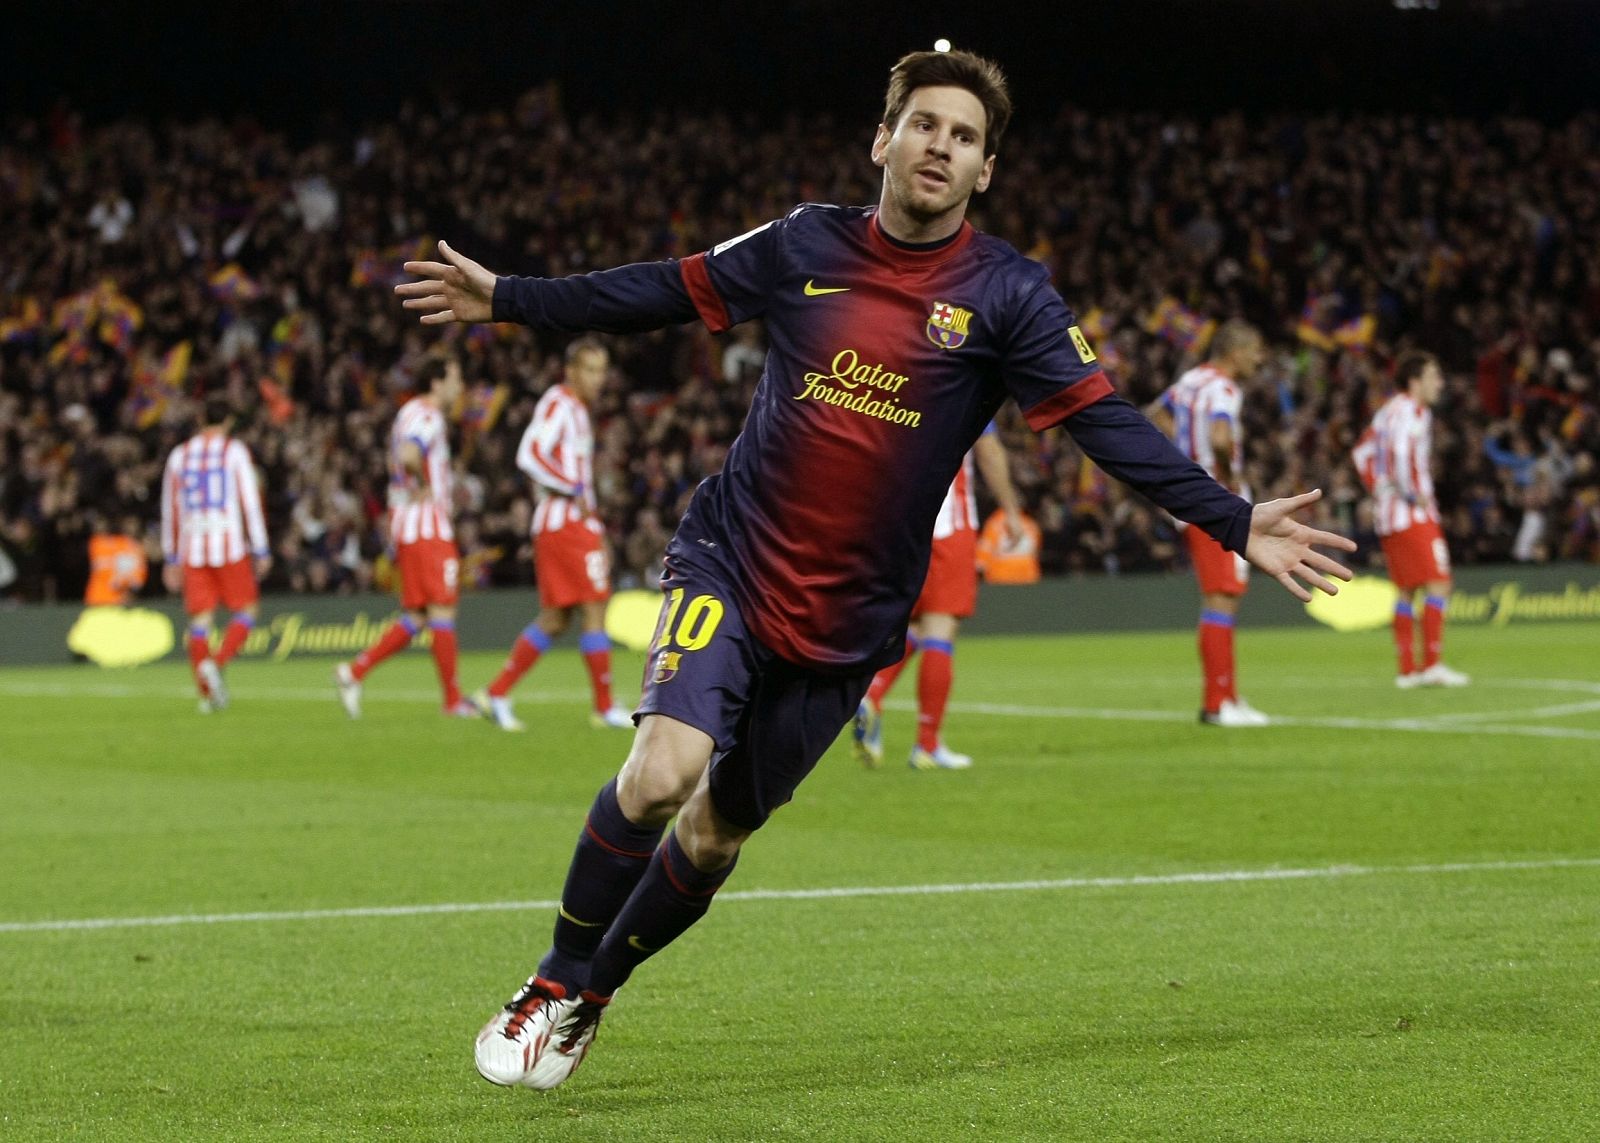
{"x": 652, "y": 787}
{"x": 707, "y": 838}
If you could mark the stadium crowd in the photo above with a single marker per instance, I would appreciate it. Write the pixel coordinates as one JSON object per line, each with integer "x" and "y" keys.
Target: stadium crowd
{"x": 144, "y": 263}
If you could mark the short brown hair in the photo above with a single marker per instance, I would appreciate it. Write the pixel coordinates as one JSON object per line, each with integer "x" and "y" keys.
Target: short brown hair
{"x": 980, "y": 76}
{"x": 1410, "y": 366}
{"x": 584, "y": 344}
{"x": 1231, "y": 335}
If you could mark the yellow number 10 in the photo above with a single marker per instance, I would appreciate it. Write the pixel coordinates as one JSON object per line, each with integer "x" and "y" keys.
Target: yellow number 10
{"x": 699, "y": 622}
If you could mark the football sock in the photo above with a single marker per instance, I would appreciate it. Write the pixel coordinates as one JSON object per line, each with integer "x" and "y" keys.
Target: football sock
{"x": 934, "y": 679}
{"x": 396, "y": 638}
{"x": 1405, "y": 638}
{"x": 596, "y": 648}
{"x": 444, "y": 659}
{"x": 525, "y": 652}
{"x": 233, "y": 638}
{"x": 671, "y": 896}
{"x": 884, "y": 679}
{"x": 1433, "y": 609}
{"x": 1216, "y": 658}
{"x": 199, "y": 646}
{"x": 611, "y": 856}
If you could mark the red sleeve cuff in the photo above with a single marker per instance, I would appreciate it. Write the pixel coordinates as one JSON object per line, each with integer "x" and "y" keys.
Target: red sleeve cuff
{"x": 1057, "y": 408}
{"x": 697, "y": 280}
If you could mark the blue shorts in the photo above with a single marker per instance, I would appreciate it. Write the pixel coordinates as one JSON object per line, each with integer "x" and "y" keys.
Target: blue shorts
{"x": 770, "y": 720}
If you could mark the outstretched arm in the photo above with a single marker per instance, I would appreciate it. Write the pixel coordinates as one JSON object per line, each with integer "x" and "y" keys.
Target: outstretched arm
{"x": 457, "y": 289}
{"x": 1282, "y": 547}
{"x": 627, "y": 299}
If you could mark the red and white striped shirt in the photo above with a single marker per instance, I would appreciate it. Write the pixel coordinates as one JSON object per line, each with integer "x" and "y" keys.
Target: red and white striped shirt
{"x": 418, "y": 513}
{"x": 1394, "y": 456}
{"x": 557, "y": 453}
{"x": 1197, "y": 400}
{"x": 211, "y": 504}
{"x": 959, "y": 512}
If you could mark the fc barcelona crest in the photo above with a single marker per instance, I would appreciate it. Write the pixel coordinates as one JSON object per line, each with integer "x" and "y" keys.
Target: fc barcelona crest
{"x": 947, "y": 325}
{"x": 667, "y": 665}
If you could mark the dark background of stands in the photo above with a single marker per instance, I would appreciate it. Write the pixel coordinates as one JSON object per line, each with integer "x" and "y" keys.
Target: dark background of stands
{"x": 311, "y": 65}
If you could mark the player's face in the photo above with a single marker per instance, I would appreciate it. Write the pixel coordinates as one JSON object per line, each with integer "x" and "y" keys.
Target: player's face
{"x": 1248, "y": 358}
{"x": 1429, "y": 383}
{"x": 933, "y": 160}
{"x": 586, "y": 373}
{"x": 448, "y": 389}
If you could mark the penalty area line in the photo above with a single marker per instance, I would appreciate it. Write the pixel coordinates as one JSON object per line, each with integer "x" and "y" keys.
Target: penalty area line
{"x": 1216, "y": 877}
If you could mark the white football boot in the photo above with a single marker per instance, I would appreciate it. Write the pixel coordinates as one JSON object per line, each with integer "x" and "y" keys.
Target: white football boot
{"x": 1233, "y": 713}
{"x": 614, "y": 719}
{"x": 569, "y": 1044}
{"x": 1440, "y": 675}
{"x": 509, "y": 1046}
{"x": 1409, "y": 682}
{"x": 497, "y": 709}
{"x": 216, "y": 689}
{"x": 939, "y": 758}
{"x": 349, "y": 689}
{"x": 867, "y": 730}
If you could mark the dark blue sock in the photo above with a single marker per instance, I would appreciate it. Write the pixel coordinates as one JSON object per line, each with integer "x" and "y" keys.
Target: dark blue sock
{"x": 611, "y": 856}
{"x": 671, "y": 896}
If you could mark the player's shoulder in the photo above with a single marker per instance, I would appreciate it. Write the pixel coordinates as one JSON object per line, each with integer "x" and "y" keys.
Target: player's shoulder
{"x": 825, "y": 214}
{"x": 998, "y": 257}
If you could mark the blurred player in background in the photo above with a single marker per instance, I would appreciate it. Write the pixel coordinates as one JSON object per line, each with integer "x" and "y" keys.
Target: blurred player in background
{"x": 212, "y": 532}
{"x": 1394, "y": 458}
{"x": 1201, "y": 413}
{"x": 569, "y": 545}
{"x": 895, "y": 334}
{"x": 949, "y": 595}
{"x": 424, "y": 542}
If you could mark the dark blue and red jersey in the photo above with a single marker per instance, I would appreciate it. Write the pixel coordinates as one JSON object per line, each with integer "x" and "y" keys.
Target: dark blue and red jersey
{"x": 885, "y": 364}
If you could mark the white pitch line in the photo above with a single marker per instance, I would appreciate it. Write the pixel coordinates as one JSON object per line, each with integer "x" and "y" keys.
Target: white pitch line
{"x": 1462, "y": 723}
{"x": 269, "y": 694}
{"x": 1219, "y": 877}
{"x": 1436, "y": 724}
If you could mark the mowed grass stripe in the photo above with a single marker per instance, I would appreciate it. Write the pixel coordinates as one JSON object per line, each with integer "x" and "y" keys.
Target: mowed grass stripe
{"x": 1218, "y": 877}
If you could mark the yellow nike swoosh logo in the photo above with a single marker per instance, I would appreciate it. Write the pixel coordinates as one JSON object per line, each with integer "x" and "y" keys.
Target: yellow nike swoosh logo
{"x": 815, "y": 291}
{"x": 562, "y": 909}
{"x": 633, "y": 943}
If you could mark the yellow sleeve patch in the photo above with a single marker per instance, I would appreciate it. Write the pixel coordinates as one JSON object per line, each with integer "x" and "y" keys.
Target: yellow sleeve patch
{"x": 1082, "y": 344}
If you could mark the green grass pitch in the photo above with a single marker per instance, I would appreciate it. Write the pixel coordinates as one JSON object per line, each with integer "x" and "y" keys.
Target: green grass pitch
{"x": 1374, "y": 921}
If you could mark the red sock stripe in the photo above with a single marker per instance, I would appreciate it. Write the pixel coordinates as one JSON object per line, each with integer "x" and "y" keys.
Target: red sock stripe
{"x": 606, "y": 845}
{"x": 666, "y": 865}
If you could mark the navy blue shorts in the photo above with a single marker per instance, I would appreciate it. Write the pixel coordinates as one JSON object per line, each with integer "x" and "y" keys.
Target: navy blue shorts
{"x": 770, "y": 720}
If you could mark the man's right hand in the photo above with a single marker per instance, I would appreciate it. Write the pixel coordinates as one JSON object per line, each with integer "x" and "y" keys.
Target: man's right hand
{"x": 457, "y": 289}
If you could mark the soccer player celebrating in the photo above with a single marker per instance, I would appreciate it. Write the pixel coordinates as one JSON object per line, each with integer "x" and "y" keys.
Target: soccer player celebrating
{"x": 895, "y": 333}
{"x": 212, "y": 532}
{"x": 1201, "y": 413}
{"x": 949, "y": 595}
{"x": 424, "y": 542}
{"x": 569, "y": 547}
{"x": 1394, "y": 458}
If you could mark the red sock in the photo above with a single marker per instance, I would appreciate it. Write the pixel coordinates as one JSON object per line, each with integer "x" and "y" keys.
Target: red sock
{"x": 233, "y": 638}
{"x": 1405, "y": 639}
{"x": 199, "y": 652}
{"x": 1433, "y": 630}
{"x": 444, "y": 660}
{"x": 934, "y": 678}
{"x": 397, "y": 638}
{"x": 599, "y": 664}
{"x": 1216, "y": 659}
{"x": 884, "y": 679}
{"x": 521, "y": 660}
